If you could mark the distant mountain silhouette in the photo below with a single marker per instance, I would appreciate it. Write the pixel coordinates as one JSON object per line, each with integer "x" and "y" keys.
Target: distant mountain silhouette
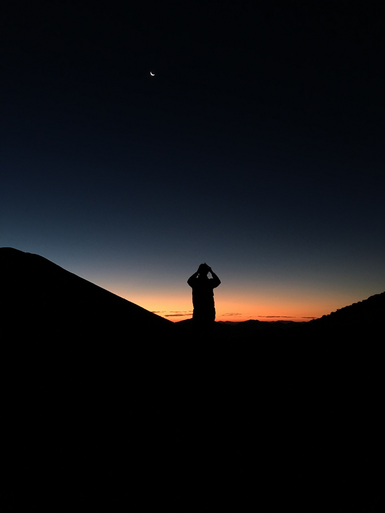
{"x": 42, "y": 301}
{"x": 353, "y": 324}
{"x": 368, "y": 312}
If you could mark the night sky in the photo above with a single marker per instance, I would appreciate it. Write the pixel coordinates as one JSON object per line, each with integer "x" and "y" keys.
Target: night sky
{"x": 257, "y": 147}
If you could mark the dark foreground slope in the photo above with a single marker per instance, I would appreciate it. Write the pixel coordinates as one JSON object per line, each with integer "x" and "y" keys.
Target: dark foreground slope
{"x": 360, "y": 324}
{"x": 42, "y": 301}
{"x": 370, "y": 312}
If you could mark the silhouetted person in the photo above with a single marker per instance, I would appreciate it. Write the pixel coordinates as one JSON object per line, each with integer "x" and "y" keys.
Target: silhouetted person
{"x": 203, "y": 299}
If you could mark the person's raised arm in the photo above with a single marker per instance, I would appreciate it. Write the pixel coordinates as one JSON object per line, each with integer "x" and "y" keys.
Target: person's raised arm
{"x": 192, "y": 279}
{"x": 216, "y": 280}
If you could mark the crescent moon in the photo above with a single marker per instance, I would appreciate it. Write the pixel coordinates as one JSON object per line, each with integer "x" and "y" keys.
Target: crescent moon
{"x": 152, "y": 74}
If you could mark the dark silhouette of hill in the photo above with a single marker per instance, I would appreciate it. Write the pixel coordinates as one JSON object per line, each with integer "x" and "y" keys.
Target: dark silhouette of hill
{"x": 353, "y": 324}
{"x": 42, "y": 301}
{"x": 367, "y": 312}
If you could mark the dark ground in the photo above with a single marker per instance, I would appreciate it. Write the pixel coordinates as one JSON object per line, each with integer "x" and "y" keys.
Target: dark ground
{"x": 266, "y": 425}
{"x": 290, "y": 418}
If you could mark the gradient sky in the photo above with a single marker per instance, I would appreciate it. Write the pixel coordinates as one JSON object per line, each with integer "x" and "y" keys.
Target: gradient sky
{"x": 258, "y": 147}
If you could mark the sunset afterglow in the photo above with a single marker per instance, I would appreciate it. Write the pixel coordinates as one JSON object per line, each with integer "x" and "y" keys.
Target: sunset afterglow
{"x": 263, "y": 305}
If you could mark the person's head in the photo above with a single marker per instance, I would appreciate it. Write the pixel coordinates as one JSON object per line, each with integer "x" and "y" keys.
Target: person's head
{"x": 203, "y": 269}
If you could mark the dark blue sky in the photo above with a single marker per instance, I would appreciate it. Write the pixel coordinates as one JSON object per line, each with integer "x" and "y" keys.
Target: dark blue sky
{"x": 257, "y": 147}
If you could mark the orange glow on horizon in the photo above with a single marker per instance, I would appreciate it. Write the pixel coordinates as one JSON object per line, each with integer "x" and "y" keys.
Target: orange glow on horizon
{"x": 238, "y": 306}
{"x": 179, "y": 307}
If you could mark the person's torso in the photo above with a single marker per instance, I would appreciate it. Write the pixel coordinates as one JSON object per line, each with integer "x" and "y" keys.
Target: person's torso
{"x": 203, "y": 294}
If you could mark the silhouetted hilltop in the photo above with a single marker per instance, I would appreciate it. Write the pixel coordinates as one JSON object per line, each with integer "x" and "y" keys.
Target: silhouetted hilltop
{"x": 368, "y": 312}
{"x": 358, "y": 323}
{"x": 44, "y": 301}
